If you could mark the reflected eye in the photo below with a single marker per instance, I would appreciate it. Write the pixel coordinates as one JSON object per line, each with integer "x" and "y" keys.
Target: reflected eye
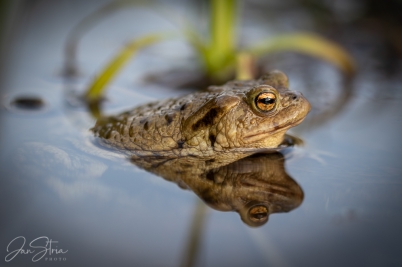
{"x": 265, "y": 101}
{"x": 258, "y": 213}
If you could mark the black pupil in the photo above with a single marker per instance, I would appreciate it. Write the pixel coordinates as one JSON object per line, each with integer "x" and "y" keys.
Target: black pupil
{"x": 266, "y": 100}
{"x": 259, "y": 216}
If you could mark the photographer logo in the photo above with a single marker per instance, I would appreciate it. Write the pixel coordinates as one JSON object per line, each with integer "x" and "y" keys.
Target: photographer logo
{"x": 41, "y": 248}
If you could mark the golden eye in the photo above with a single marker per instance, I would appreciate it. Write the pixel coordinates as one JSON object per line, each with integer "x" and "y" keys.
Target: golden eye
{"x": 258, "y": 213}
{"x": 265, "y": 101}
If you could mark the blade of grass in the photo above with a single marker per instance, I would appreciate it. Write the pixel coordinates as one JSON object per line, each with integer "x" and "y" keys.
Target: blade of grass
{"x": 310, "y": 44}
{"x": 98, "y": 85}
{"x": 222, "y": 43}
{"x": 217, "y": 54}
{"x": 223, "y": 26}
{"x": 95, "y": 109}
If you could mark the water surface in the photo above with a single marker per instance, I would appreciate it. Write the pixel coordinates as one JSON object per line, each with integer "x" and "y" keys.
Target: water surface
{"x": 56, "y": 181}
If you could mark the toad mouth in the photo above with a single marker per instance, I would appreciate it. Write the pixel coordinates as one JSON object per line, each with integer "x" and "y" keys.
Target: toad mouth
{"x": 277, "y": 129}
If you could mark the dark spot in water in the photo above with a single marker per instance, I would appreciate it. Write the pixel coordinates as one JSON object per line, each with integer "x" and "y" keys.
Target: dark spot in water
{"x": 146, "y": 126}
{"x": 28, "y": 103}
{"x": 180, "y": 143}
{"x": 169, "y": 118}
{"x": 207, "y": 120}
{"x": 212, "y": 138}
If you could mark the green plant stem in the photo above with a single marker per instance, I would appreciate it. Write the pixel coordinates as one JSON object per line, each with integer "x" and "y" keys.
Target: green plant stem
{"x": 222, "y": 40}
{"x": 223, "y": 26}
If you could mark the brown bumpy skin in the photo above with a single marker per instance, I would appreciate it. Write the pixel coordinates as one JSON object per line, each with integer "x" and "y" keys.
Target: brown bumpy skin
{"x": 229, "y": 121}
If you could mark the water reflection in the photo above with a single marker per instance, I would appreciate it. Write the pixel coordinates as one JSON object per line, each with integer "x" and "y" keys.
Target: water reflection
{"x": 254, "y": 187}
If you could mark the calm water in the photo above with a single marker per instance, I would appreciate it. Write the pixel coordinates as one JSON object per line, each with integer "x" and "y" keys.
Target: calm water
{"x": 57, "y": 182}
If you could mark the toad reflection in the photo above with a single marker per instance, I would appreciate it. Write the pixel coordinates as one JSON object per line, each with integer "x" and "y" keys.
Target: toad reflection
{"x": 255, "y": 187}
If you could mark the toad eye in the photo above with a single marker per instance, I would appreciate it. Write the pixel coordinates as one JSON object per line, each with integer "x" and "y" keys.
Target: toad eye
{"x": 265, "y": 101}
{"x": 258, "y": 214}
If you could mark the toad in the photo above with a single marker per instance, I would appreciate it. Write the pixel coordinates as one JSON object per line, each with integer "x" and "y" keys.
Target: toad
{"x": 225, "y": 122}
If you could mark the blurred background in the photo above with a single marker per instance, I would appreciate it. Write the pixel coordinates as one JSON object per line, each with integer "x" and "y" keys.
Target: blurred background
{"x": 56, "y": 181}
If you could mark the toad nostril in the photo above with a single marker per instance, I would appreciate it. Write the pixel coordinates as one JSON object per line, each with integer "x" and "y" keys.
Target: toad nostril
{"x": 294, "y": 97}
